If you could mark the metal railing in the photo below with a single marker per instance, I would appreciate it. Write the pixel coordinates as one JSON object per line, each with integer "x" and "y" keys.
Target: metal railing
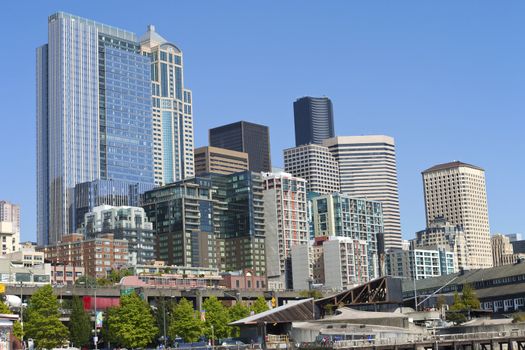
{"x": 414, "y": 339}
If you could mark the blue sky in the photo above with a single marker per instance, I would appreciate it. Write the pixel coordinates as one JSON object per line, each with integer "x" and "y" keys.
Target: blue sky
{"x": 445, "y": 78}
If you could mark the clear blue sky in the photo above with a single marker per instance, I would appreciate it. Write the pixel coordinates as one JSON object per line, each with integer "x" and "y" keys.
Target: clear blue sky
{"x": 445, "y": 78}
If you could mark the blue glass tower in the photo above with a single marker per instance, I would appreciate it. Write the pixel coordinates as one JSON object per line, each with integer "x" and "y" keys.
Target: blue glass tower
{"x": 93, "y": 116}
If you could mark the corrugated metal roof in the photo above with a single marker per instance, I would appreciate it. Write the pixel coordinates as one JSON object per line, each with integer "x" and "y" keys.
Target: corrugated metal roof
{"x": 468, "y": 277}
{"x": 297, "y": 311}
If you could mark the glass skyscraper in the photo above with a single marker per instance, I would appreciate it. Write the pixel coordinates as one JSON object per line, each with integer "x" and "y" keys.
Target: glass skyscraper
{"x": 247, "y": 137}
{"x": 97, "y": 115}
{"x": 314, "y": 120}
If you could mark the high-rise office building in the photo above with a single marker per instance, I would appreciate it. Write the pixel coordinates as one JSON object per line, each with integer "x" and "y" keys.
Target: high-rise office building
{"x": 457, "y": 192}
{"x": 286, "y": 225}
{"x": 250, "y": 138}
{"x": 219, "y": 161}
{"x": 110, "y": 106}
{"x": 9, "y": 227}
{"x": 172, "y": 110}
{"x": 314, "y": 120}
{"x": 367, "y": 169}
{"x": 316, "y": 165}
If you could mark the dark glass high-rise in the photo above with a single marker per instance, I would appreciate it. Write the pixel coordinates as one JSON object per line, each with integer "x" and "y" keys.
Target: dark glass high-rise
{"x": 242, "y": 136}
{"x": 314, "y": 120}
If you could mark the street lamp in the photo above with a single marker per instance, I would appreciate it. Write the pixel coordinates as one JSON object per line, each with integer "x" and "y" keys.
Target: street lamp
{"x": 212, "y": 337}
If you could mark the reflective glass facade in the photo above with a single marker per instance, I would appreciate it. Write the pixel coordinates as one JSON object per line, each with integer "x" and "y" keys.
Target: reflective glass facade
{"x": 314, "y": 120}
{"x": 128, "y": 154}
{"x": 93, "y": 116}
{"x": 251, "y": 138}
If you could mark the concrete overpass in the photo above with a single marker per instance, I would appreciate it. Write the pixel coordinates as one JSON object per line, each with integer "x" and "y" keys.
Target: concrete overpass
{"x": 150, "y": 293}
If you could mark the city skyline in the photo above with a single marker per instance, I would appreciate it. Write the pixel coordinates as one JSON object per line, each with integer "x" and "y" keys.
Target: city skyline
{"x": 18, "y": 186}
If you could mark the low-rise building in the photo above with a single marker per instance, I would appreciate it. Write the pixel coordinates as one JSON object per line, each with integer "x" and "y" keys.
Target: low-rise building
{"x": 160, "y": 275}
{"x": 245, "y": 280}
{"x": 500, "y": 289}
{"x": 420, "y": 263}
{"x": 17, "y": 269}
{"x": 63, "y": 274}
{"x": 97, "y": 255}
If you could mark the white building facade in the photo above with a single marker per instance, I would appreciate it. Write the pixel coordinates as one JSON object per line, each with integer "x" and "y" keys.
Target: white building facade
{"x": 9, "y": 227}
{"x": 172, "y": 110}
{"x": 456, "y": 191}
{"x": 286, "y": 225}
{"x": 368, "y": 169}
{"x": 316, "y": 165}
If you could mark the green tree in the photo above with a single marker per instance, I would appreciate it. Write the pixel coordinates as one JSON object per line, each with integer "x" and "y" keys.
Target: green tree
{"x": 132, "y": 323}
{"x": 105, "y": 333}
{"x": 80, "y": 324}
{"x": 237, "y": 312}
{"x": 4, "y": 309}
{"x": 116, "y": 275}
{"x": 185, "y": 322}
{"x": 469, "y": 297}
{"x": 43, "y": 323}
{"x": 259, "y": 305}
{"x": 217, "y": 317}
{"x": 462, "y": 305}
{"x": 17, "y": 330}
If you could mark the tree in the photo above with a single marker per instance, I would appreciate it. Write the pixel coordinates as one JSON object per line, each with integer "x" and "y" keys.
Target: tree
{"x": 185, "y": 322}
{"x": 316, "y": 294}
{"x": 440, "y": 301}
{"x": 115, "y": 275}
{"x": 105, "y": 333}
{"x": 469, "y": 297}
{"x": 80, "y": 324}
{"x": 4, "y": 309}
{"x": 17, "y": 330}
{"x": 237, "y": 312}
{"x": 463, "y": 304}
{"x": 217, "y": 317}
{"x": 259, "y": 305}
{"x": 132, "y": 323}
{"x": 43, "y": 322}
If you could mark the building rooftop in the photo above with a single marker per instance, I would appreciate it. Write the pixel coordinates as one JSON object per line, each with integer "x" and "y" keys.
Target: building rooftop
{"x": 450, "y": 165}
{"x": 469, "y": 277}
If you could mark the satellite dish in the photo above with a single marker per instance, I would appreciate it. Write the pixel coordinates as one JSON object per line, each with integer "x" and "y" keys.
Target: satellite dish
{"x": 13, "y": 301}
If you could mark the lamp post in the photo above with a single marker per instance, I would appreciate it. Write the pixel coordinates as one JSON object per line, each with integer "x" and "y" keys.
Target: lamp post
{"x": 212, "y": 337}
{"x": 21, "y": 312}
